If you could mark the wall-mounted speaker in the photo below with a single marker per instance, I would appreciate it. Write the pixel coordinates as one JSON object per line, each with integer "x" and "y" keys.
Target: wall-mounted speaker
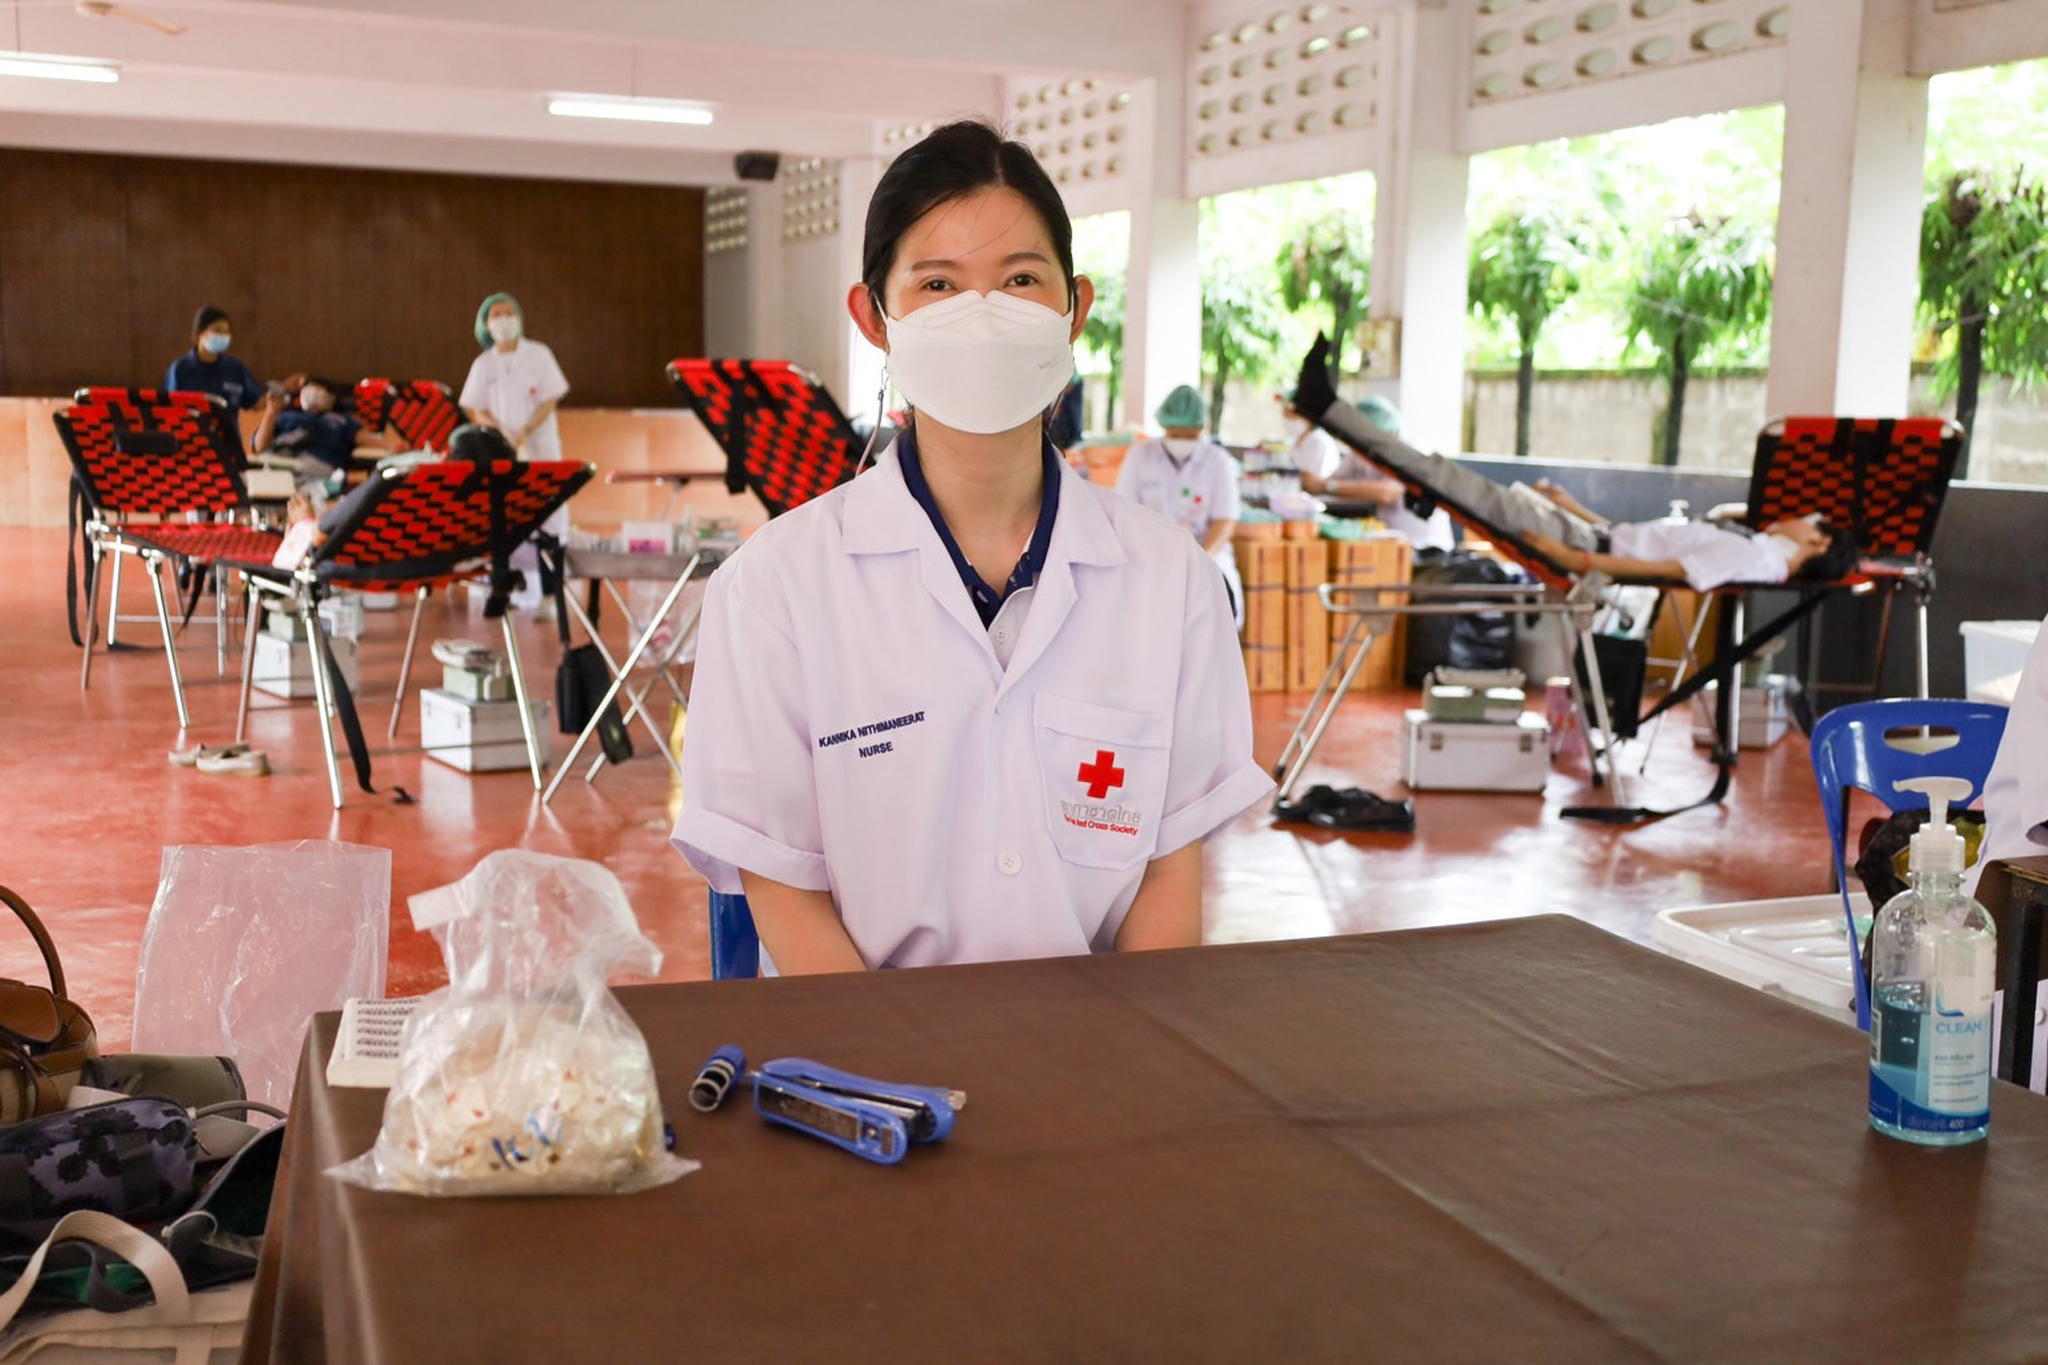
{"x": 757, "y": 165}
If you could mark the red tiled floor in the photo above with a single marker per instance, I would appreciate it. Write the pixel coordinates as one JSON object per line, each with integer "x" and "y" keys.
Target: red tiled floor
{"x": 90, "y": 801}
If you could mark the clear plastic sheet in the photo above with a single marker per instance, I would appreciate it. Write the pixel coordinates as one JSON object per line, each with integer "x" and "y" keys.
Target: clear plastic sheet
{"x": 524, "y": 1076}
{"x": 245, "y": 945}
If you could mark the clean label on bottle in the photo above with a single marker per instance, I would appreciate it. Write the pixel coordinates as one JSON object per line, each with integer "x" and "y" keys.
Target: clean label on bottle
{"x": 1930, "y": 1046}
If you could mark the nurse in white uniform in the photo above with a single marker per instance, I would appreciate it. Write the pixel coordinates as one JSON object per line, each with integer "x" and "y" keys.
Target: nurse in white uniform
{"x": 515, "y": 386}
{"x": 1190, "y": 481}
{"x": 967, "y": 706}
{"x": 1353, "y": 476}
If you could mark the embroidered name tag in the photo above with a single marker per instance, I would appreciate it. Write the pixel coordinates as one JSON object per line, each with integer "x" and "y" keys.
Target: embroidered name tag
{"x": 870, "y": 731}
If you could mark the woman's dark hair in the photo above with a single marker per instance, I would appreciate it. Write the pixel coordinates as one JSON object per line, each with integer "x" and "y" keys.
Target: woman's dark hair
{"x": 1838, "y": 560}
{"x": 952, "y": 161}
{"x": 480, "y": 443}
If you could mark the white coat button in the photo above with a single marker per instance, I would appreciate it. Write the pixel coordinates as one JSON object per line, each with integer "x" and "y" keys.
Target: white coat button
{"x": 1011, "y": 864}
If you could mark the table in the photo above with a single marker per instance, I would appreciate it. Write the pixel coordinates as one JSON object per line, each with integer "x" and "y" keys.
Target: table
{"x": 675, "y": 479}
{"x": 1520, "y": 1141}
{"x": 610, "y": 568}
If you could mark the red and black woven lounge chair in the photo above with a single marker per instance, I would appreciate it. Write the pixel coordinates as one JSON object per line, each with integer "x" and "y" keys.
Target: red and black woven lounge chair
{"x": 412, "y": 530}
{"x": 1883, "y": 479}
{"x": 160, "y": 477}
{"x": 423, "y": 411}
{"x": 782, "y": 434}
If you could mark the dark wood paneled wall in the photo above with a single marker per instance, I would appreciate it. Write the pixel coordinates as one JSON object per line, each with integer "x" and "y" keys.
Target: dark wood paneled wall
{"x": 104, "y": 260}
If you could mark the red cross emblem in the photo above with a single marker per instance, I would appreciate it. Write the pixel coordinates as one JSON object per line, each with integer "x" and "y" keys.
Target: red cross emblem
{"x": 1101, "y": 775}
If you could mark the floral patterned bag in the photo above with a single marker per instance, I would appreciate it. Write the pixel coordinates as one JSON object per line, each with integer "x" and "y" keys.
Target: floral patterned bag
{"x": 131, "y": 1158}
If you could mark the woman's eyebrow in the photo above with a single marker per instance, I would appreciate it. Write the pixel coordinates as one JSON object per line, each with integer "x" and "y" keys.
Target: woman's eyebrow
{"x": 1011, "y": 259}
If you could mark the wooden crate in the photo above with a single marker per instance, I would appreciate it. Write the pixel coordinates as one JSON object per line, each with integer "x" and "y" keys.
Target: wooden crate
{"x": 1262, "y": 565}
{"x": 1381, "y": 560}
{"x": 1308, "y": 623}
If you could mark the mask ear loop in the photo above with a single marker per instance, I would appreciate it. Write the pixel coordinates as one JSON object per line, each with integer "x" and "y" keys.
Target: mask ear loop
{"x": 881, "y": 397}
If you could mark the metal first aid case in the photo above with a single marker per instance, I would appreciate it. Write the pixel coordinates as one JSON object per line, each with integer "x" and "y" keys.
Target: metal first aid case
{"x": 476, "y": 736}
{"x": 1464, "y": 756}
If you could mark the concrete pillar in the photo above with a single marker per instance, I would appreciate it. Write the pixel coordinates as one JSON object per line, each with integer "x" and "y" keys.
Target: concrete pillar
{"x": 797, "y": 289}
{"x": 1848, "y": 258}
{"x": 1163, "y": 290}
{"x": 1419, "y": 253}
{"x": 729, "y": 321}
{"x": 766, "y": 324}
{"x": 1162, "y": 306}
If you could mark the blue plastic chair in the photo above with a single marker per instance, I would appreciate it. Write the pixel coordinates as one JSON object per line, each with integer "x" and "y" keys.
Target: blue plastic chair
{"x": 735, "y": 944}
{"x": 1849, "y": 749}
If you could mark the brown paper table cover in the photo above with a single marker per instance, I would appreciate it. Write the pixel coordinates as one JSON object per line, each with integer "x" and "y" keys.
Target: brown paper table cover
{"x": 1510, "y": 1142}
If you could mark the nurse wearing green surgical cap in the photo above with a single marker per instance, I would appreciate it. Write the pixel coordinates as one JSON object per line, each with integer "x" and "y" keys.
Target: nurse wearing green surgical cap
{"x": 1189, "y": 480}
{"x": 515, "y": 383}
{"x": 514, "y": 386}
{"x": 1355, "y": 480}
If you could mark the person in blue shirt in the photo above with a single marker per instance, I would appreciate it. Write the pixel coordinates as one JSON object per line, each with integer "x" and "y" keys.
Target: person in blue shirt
{"x": 324, "y": 441}
{"x": 208, "y": 368}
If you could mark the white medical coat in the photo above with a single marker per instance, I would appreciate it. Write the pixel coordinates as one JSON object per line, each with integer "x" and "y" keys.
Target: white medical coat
{"x": 510, "y": 385}
{"x": 853, "y": 730}
{"x": 2016, "y": 790}
{"x": 1198, "y": 490}
{"x": 1709, "y": 555}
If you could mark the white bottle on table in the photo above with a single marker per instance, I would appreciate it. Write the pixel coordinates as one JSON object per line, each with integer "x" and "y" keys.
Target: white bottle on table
{"x": 1933, "y": 955}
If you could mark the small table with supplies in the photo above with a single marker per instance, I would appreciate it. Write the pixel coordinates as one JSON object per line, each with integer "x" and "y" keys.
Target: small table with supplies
{"x": 611, "y": 568}
{"x": 1523, "y": 1140}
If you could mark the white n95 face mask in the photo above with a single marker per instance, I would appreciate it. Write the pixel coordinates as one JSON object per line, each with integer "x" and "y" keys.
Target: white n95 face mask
{"x": 981, "y": 362}
{"x": 503, "y": 329}
{"x": 1180, "y": 447}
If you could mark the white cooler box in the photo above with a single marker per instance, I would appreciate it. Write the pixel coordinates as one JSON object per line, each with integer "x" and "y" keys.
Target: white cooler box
{"x": 477, "y": 736}
{"x": 1493, "y": 757}
{"x": 1763, "y": 713}
{"x": 1994, "y": 651}
{"x": 284, "y": 668}
{"x": 1797, "y": 947}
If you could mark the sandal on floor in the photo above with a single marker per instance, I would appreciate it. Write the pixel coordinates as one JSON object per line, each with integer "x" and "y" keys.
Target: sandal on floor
{"x": 1349, "y": 809}
{"x": 187, "y": 758}
{"x": 237, "y": 760}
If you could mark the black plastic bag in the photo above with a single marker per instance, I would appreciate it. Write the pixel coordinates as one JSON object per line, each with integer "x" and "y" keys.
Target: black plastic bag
{"x": 1477, "y": 641}
{"x": 1623, "y": 662}
{"x": 580, "y": 683}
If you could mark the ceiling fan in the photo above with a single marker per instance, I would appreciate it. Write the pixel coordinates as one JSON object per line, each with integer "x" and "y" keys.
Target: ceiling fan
{"x": 98, "y": 9}
{"x": 105, "y": 9}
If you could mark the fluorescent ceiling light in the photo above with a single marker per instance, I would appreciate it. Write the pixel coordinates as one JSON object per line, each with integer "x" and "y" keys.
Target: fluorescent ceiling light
{"x": 642, "y": 111}
{"x": 58, "y": 68}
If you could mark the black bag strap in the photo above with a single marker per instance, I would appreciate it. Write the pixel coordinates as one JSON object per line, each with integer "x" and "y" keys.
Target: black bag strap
{"x": 345, "y": 710}
{"x": 554, "y": 579}
{"x": 77, "y": 552}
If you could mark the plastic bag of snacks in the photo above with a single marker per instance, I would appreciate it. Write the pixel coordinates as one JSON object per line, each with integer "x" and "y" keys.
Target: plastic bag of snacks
{"x": 524, "y": 1076}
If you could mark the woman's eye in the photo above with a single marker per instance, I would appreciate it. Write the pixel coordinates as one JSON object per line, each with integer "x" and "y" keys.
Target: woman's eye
{"x": 1023, "y": 279}
{"x": 936, "y": 286}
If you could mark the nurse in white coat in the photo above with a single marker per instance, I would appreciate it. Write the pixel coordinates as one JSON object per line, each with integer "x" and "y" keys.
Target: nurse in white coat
{"x": 1354, "y": 477}
{"x": 515, "y": 385}
{"x": 1190, "y": 481}
{"x": 968, "y": 706}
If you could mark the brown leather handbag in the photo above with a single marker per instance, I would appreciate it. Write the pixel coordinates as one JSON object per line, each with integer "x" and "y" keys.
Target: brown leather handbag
{"x": 45, "y": 1038}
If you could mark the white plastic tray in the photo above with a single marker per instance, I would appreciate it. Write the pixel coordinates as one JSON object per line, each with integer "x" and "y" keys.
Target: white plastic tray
{"x": 1796, "y": 947}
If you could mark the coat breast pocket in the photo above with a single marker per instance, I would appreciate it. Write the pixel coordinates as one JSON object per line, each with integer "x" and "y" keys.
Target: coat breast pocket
{"x": 1103, "y": 771}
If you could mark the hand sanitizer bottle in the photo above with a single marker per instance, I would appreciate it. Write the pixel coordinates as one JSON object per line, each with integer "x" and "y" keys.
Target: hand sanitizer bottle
{"x": 1932, "y": 958}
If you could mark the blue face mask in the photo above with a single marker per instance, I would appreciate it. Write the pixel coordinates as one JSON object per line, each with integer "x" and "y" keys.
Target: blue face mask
{"x": 215, "y": 342}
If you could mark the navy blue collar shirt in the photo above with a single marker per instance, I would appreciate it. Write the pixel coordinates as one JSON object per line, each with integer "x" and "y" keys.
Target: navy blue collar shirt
{"x": 224, "y": 376}
{"x": 987, "y": 601}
